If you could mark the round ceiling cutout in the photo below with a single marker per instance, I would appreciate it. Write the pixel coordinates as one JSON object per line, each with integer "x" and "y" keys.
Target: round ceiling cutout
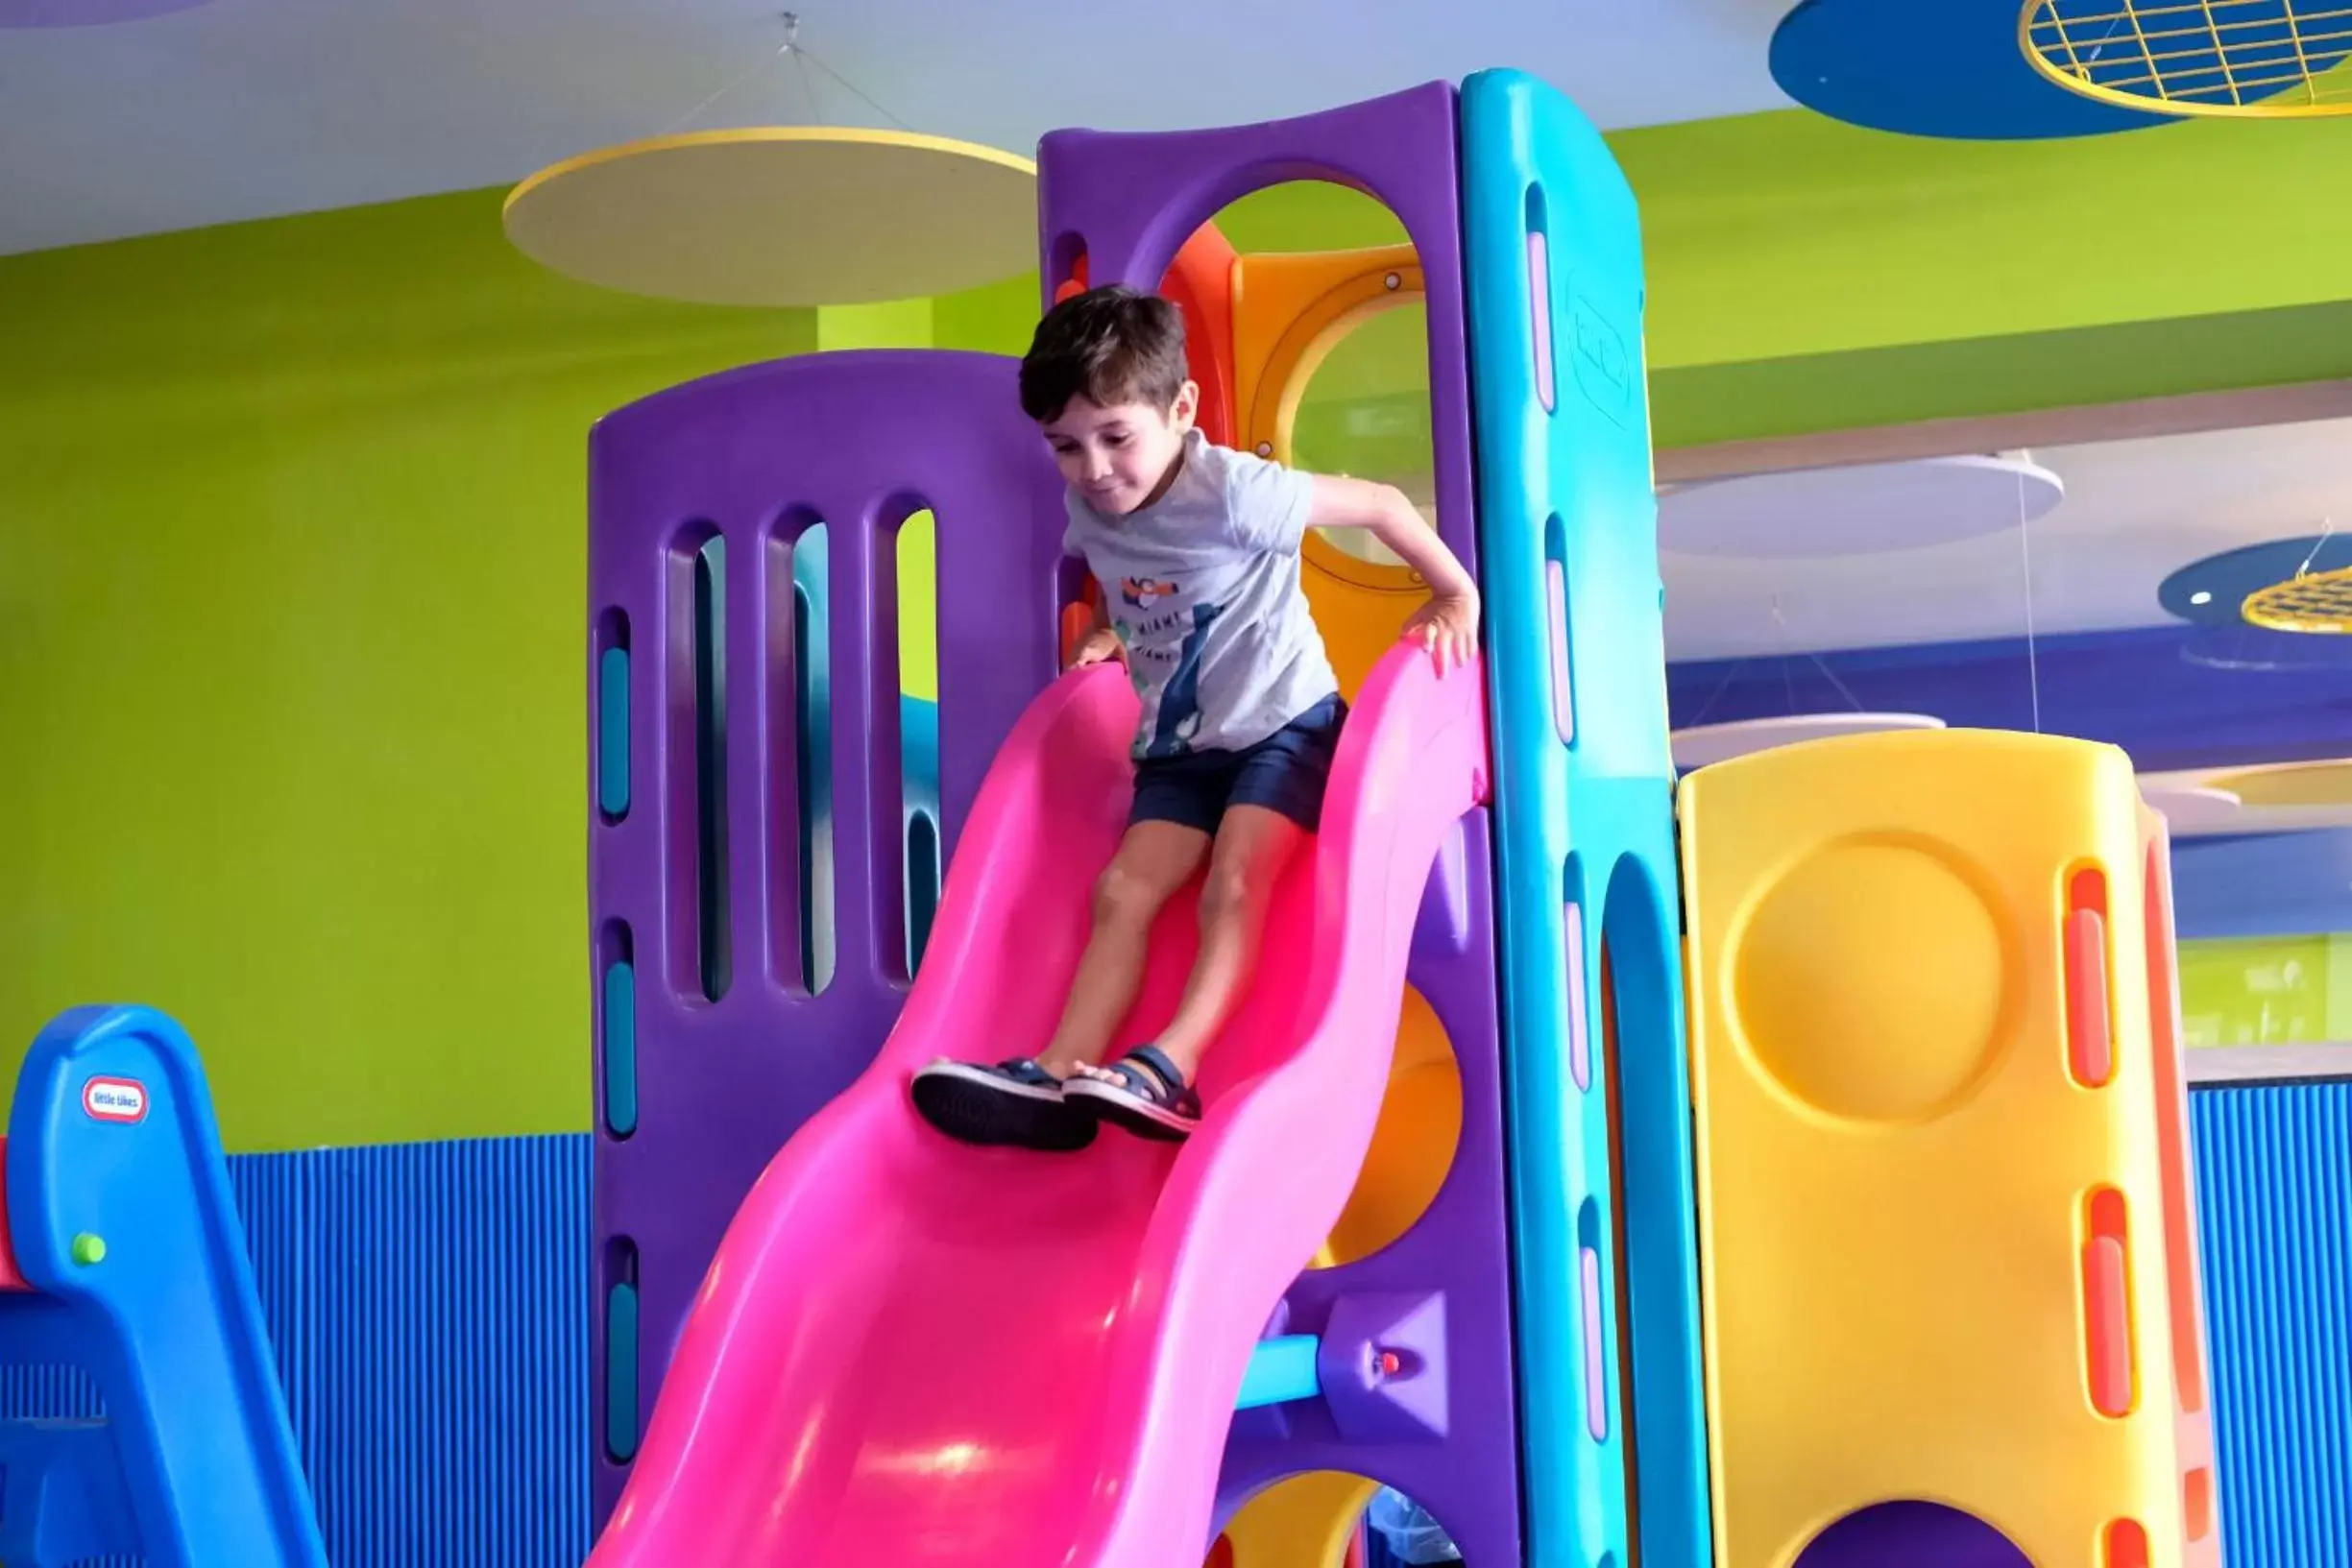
{"x": 1868, "y": 509}
{"x": 792, "y": 216}
{"x": 1700, "y": 744}
{"x": 31, "y": 14}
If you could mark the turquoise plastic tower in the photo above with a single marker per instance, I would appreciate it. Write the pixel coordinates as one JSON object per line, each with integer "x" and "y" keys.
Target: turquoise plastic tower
{"x": 1599, "y": 1112}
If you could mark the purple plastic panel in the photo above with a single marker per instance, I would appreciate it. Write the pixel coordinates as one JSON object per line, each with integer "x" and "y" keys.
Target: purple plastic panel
{"x": 1382, "y": 1366}
{"x": 859, "y": 439}
{"x": 1130, "y": 201}
{"x": 1468, "y": 1479}
{"x": 1911, "y": 1535}
{"x": 1127, "y": 202}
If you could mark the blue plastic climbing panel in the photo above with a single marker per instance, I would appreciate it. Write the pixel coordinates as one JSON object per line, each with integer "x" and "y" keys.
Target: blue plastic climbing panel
{"x": 1592, "y": 1045}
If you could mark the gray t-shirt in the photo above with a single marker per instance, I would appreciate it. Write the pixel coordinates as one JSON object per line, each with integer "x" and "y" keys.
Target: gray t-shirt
{"x": 1202, "y": 586}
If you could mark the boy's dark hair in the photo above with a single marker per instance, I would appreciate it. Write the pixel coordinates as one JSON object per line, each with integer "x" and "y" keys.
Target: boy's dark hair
{"x": 1108, "y": 345}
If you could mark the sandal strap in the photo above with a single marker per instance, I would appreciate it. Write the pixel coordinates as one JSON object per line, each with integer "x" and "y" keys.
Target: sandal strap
{"x": 1150, "y": 1076}
{"x": 1172, "y": 1082}
{"x": 1025, "y": 1069}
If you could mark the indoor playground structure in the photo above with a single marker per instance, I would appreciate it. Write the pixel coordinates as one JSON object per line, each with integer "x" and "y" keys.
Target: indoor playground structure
{"x": 1888, "y": 1258}
{"x": 124, "y": 1282}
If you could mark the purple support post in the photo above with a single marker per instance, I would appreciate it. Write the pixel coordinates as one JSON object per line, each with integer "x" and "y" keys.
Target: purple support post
{"x": 1127, "y": 202}
{"x": 1439, "y": 1296}
{"x": 858, "y": 440}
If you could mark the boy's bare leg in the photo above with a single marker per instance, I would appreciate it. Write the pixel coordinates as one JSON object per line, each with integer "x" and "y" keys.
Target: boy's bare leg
{"x": 1252, "y": 849}
{"x": 1155, "y": 861}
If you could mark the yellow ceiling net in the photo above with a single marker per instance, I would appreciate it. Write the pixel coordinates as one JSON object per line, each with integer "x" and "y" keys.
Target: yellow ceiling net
{"x": 2316, "y": 601}
{"x": 2242, "y": 58}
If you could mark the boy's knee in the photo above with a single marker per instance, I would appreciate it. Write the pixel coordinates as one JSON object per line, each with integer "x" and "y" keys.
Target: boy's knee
{"x": 1226, "y": 895}
{"x": 1124, "y": 898}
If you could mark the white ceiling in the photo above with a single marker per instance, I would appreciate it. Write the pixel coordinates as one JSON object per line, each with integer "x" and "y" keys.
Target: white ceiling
{"x": 2134, "y": 512}
{"x": 245, "y": 108}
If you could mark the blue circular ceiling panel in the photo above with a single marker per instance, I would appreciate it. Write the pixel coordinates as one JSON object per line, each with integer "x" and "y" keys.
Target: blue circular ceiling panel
{"x": 1931, "y": 68}
{"x": 2209, "y": 591}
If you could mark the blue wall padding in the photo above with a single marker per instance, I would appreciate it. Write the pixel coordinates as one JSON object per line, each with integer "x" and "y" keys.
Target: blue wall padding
{"x": 428, "y": 1306}
{"x": 2275, "y": 1202}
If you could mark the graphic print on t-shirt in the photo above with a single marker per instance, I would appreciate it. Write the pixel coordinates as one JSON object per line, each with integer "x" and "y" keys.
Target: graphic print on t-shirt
{"x": 1163, "y": 651}
{"x": 1179, "y": 718}
{"x": 1143, "y": 592}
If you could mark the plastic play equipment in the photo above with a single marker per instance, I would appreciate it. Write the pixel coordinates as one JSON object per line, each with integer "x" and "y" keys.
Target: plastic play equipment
{"x": 2001, "y": 1210}
{"x": 760, "y": 455}
{"x": 876, "y": 1345}
{"x": 124, "y": 1267}
{"x": 1093, "y": 1317}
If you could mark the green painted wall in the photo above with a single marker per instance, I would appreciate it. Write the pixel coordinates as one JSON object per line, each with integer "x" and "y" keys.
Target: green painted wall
{"x": 1786, "y": 235}
{"x": 1806, "y": 276}
{"x": 291, "y": 549}
{"x": 2267, "y": 991}
{"x": 292, "y": 569}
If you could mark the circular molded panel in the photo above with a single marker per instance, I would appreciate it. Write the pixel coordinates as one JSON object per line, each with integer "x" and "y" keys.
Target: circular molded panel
{"x": 783, "y": 216}
{"x": 1863, "y": 510}
{"x": 1931, "y": 68}
{"x": 31, "y": 14}
{"x": 1413, "y": 1144}
{"x": 1835, "y": 1000}
{"x": 1698, "y": 745}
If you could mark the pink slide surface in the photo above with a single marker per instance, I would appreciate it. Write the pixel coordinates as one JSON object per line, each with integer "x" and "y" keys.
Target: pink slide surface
{"x": 911, "y": 1352}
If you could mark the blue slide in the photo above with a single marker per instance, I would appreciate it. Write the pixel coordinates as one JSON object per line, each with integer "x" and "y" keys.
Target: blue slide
{"x": 130, "y": 1265}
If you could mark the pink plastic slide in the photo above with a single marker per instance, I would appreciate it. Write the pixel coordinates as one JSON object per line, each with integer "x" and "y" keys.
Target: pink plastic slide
{"x": 913, "y": 1353}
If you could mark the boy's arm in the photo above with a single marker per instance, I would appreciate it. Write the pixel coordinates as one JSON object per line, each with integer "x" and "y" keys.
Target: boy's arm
{"x": 1391, "y": 518}
{"x": 1448, "y": 625}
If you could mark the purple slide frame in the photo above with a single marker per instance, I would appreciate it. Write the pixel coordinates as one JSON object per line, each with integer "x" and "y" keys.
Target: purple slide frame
{"x": 1127, "y": 202}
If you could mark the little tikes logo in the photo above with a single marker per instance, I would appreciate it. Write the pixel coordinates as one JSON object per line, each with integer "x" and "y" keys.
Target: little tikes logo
{"x": 114, "y": 1100}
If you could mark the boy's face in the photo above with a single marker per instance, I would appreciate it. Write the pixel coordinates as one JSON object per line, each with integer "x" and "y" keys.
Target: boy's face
{"x": 1119, "y": 458}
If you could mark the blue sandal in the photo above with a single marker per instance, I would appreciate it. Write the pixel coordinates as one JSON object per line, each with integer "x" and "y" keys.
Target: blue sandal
{"x": 1015, "y": 1102}
{"x": 1150, "y": 1097}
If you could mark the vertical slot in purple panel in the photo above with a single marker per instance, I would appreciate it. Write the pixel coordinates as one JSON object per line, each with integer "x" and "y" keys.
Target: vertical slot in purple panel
{"x": 789, "y": 842}
{"x": 751, "y": 457}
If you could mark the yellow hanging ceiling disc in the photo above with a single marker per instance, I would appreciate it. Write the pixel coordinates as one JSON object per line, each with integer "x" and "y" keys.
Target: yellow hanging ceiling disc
{"x": 2251, "y": 60}
{"x": 791, "y": 216}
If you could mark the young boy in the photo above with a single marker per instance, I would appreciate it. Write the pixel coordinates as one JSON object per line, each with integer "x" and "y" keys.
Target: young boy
{"x": 1196, "y": 549}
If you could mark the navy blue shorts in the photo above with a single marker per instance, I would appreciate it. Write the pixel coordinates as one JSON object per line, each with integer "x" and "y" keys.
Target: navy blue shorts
{"x": 1285, "y": 772}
